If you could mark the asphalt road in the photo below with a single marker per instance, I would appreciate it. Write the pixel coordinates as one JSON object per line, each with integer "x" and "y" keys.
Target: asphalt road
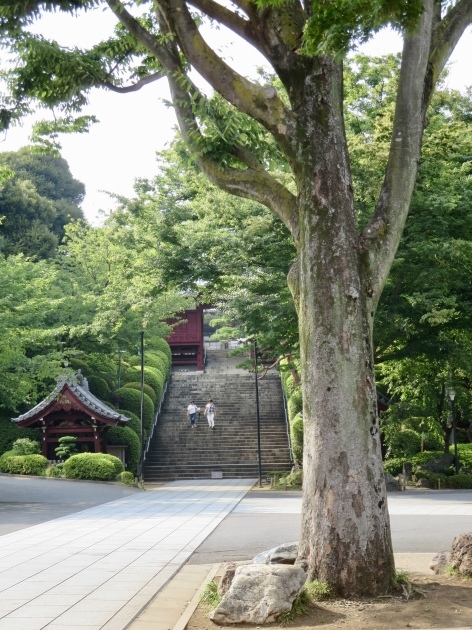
{"x": 26, "y": 501}
{"x": 421, "y": 521}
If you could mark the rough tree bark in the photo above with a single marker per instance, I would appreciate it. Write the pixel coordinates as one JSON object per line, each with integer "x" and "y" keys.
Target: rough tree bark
{"x": 339, "y": 274}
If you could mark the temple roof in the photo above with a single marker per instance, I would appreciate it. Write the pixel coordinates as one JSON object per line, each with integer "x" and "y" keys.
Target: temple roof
{"x": 83, "y": 394}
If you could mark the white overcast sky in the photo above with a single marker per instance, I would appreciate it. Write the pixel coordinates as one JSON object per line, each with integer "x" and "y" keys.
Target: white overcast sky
{"x": 133, "y": 127}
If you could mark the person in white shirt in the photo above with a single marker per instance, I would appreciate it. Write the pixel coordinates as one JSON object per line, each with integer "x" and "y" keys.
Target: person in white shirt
{"x": 191, "y": 413}
{"x": 210, "y": 413}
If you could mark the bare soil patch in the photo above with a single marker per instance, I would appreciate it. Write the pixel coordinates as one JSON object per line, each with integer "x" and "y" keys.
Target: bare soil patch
{"x": 439, "y": 601}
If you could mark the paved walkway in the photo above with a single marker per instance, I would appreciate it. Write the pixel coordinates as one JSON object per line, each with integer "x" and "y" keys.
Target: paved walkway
{"x": 98, "y": 568}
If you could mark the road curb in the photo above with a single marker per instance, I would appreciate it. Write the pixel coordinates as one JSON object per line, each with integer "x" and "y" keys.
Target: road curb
{"x": 191, "y": 608}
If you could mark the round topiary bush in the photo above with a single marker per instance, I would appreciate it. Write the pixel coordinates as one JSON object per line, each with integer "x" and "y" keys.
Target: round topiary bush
{"x": 147, "y": 390}
{"x": 116, "y": 461}
{"x": 125, "y": 436}
{"x": 163, "y": 346}
{"x": 99, "y": 387}
{"x": 96, "y": 466}
{"x": 131, "y": 399}
{"x": 23, "y": 464}
{"x": 296, "y": 437}
{"x": 152, "y": 377}
{"x": 157, "y": 355}
{"x": 158, "y": 362}
{"x": 134, "y": 423}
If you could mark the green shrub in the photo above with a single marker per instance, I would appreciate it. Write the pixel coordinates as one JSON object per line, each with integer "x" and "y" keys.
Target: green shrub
{"x": 461, "y": 481}
{"x": 4, "y": 457}
{"x": 404, "y": 443}
{"x": 293, "y": 480}
{"x": 423, "y": 458}
{"x": 134, "y": 423}
{"x": 157, "y": 354}
{"x": 393, "y": 466}
{"x": 99, "y": 387}
{"x": 162, "y": 346}
{"x": 25, "y": 446}
{"x": 296, "y": 437}
{"x": 116, "y": 461}
{"x": 126, "y": 437}
{"x": 103, "y": 365}
{"x": 95, "y": 466}
{"x": 56, "y": 470}
{"x": 432, "y": 442}
{"x": 24, "y": 464}
{"x": 10, "y": 432}
{"x": 152, "y": 377}
{"x": 131, "y": 399}
{"x": 290, "y": 386}
{"x": 464, "y": 452}
{"x": 158, "y": 361}
{"x": 295, "y": 404}
{"x": 126, "y": 477}
{"x": 147, "y": 390}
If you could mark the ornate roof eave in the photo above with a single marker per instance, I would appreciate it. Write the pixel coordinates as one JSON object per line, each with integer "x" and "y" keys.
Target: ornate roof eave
{"x": 95, "y": 407}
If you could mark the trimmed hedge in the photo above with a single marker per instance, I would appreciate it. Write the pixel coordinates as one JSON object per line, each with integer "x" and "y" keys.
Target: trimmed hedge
{"x": 296, "y": 437}
{"x": 97, "y": 466}
{"x": 404, "y": 443}
{"x": 152, "y": 377}
{"x": 134, "y": 423}
{"x": 163, "y": 346}
{"x": 147, "y": 390}
{"x": 99, "y": 387}
{"x": 131, "y": 399}
{"x": 126, "y": 437}
{"x": 56, "y": 471}
{"x": 23, "y": 464}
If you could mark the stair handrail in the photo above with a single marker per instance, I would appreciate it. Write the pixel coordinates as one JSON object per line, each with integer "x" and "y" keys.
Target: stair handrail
{"x": 156, "y": 416}
{"x": 287, "y": 423}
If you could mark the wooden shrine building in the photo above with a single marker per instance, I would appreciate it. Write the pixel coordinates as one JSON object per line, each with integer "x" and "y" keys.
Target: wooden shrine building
{"x": 71, "y": 409}
{"x": 186, "y": 339}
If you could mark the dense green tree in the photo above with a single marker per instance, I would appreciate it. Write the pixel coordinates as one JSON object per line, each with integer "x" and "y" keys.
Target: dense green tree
{"x": 340, "y": 273}
{"x": 38, "y": 199}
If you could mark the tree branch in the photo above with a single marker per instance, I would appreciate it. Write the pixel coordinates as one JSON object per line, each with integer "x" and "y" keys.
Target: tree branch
{"x": 161, "y": 52}
{"x": 446, "y": 35}
{"x": 228, "y": 18}
{"x": 259, "y": 102}
{"x": 252, "y": 183}
{"x": 126, "y": 89}
{"x": 379, "y": 240}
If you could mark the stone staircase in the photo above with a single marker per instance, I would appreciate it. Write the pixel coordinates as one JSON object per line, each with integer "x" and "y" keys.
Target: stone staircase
{"x": 229, "y": 450}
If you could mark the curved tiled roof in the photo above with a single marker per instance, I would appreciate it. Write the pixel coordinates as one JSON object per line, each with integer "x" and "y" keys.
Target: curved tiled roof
{"x": 83, "y": 394}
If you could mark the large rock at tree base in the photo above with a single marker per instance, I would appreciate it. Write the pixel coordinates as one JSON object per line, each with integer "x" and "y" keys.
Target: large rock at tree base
{"x": 391, "y": 483}
{"x": 283, "y": 554}
{"x": 461, "y": 554}
{"x": 259, "y": 594}
{"x": 226, "y": 578}
{"x": 440, "y": 562}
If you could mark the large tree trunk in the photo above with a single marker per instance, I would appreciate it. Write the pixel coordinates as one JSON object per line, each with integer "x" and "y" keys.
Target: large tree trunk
{"x": 345, "y": 526}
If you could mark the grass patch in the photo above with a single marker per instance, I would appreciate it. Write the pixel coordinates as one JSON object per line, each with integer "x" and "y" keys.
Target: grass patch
{"x": 400, "y": 577}
{"x": 313, "y": 592}
{"x": 210, "y": 597}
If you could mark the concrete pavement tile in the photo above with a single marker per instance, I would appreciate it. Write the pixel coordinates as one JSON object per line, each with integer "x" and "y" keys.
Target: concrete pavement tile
{"x": 8, "y": 623}
{"x": 70, "y": 589}
{"x": 31, "y": 611}
{"x": 8, "y": 605}
{"x": 85, "y": 618}
{"x": 25, "y": 590}
{"x": 51, "y": 599}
